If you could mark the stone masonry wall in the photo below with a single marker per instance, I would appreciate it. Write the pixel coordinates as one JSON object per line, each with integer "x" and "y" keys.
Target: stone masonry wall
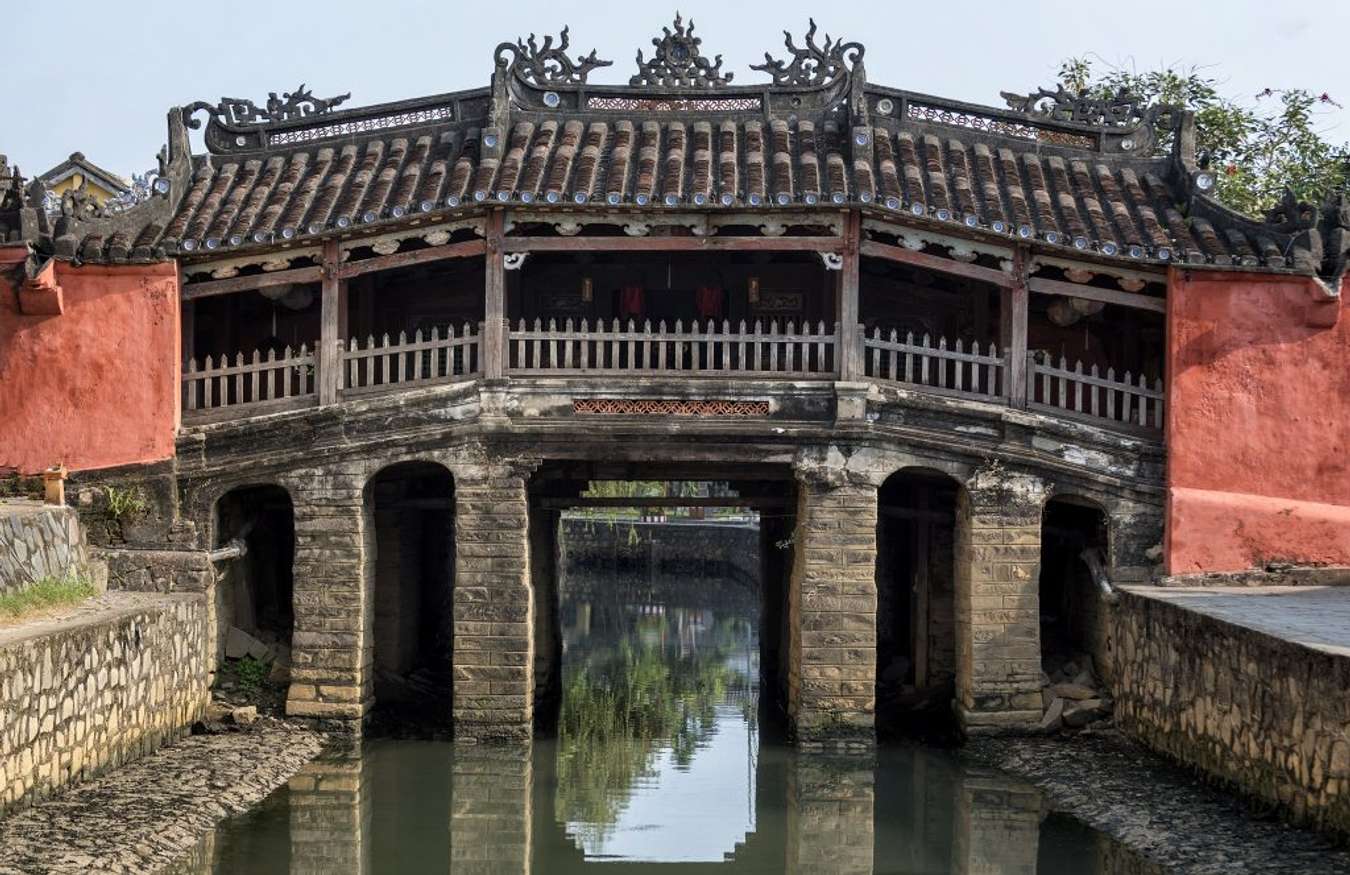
{"x": 998, "y": 553}
{"x": 94, "y": 691}
{"x": 494, "y": 644}
{"x": 331, "y": 646}
{"x": 832, "y": 605}
{"x": 38, "y": 541}
{"x": 1267, "y": 716}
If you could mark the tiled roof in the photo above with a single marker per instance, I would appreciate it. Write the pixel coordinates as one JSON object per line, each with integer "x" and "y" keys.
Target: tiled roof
{"x": 843, "y": 143}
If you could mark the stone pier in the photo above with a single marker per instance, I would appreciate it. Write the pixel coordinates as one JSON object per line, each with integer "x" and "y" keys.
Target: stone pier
{"x": 832, "y": 609}
{"x": 494, "y": 624}
{"x": 332, "y": 649}
{"x": 998, "y": 554}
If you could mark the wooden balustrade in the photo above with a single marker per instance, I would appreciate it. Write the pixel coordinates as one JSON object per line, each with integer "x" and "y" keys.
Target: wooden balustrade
{"x": 426, "y": 359}
{"x": 215, "y": 389}
{"x": 707, "y": 350}
{"x": 1127, "y": 399}
{"x": 935, "y": 367}
{"x": 262, "y": 383}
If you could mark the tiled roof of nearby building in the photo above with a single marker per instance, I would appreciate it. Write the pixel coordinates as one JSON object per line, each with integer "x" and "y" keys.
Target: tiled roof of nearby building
{"x": 77, "y": 163}
{"x": 1103, "y": 178}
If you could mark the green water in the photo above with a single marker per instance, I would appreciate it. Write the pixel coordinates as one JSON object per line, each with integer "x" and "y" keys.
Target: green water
{"x": 660, "y": 762}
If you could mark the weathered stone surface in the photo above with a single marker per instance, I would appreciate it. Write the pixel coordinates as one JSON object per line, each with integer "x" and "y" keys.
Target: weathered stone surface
{"x": 97, "y": 686}
{"x": 148, "y": 814}
{"x": 39, "y": 541}
{"x": 1267, "y": 716}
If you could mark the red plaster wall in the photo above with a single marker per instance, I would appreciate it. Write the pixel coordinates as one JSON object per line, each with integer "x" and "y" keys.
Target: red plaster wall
{"x": 1258, "y": 423}
{"x": 98, "y": 385}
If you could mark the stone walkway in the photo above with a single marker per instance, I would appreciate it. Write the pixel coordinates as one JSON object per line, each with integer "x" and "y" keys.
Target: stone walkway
{"x": 1317, "y": 617}
{"x": 146, "y": 815}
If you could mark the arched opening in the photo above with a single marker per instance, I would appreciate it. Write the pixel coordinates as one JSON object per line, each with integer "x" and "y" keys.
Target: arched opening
{"x": 254, "y": 611}
{"x": 916, "y": 619}
{"x": 1073, "y": 564}
{"x": 413, "y": 509}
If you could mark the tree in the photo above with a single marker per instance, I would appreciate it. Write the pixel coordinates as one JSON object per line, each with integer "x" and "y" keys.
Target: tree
{"x": 1257, "y": 149}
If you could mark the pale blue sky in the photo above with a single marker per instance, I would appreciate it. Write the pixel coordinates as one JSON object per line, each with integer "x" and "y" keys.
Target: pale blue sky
{"x": 99, "y": 76}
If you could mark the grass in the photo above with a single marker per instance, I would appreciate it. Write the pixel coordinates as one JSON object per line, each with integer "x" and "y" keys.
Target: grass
{"x": 46, "y": 594}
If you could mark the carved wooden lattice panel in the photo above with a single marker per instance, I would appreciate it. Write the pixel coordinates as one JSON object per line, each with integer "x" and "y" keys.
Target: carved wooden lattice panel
{"x": 668, "y": 407}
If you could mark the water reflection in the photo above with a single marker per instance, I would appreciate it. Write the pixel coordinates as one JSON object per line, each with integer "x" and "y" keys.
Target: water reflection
{"x": 658, "y": 715}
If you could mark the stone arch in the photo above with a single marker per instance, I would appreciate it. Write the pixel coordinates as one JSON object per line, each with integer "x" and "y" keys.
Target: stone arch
{"x": 1075, "y": 564}
{"x": 409, "y": 532}
{"x": 254, "y": 592}
{"x": 916, "y": 597}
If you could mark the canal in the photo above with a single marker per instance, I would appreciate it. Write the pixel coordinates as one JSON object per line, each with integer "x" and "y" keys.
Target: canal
{"x": 664, "y": 753}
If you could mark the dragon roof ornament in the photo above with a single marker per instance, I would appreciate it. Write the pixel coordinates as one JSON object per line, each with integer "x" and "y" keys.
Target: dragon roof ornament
{"x": 812, "y": 65}
{"x": 678, "y": 63}
{"x": 544, "y": 65}
{"x": 235, "y": 112}
{"x": 1121, "y": 110}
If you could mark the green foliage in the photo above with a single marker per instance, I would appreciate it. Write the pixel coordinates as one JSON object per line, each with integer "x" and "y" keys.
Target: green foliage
{"x": 249, "y": 674}
{"x": 623, "y": 706}
{"x": 48, "y": 593}
{"x": 124, "y": 503}
{"x": 1257, "y": 149}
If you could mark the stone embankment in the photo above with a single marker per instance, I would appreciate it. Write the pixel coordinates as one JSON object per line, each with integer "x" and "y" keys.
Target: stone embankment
{"x": 39, "y": 541}
{"x": 146, "y": 816}
{"x": 1163, "y": 820}
{"x": 1250, "y": 685}
{"x": 95, "y": 686}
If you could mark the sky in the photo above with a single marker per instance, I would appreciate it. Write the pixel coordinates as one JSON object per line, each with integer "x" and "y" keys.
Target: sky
{"x": 100, "y": 76}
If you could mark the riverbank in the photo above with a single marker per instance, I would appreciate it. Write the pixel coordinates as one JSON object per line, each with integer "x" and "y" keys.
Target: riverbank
{"x": 146, "y": 815}
{"x": 1156, "y": 809}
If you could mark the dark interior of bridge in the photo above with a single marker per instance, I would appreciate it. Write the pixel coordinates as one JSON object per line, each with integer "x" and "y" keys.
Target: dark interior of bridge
{"x": 255, "y": 594}
{"x": 412, "y": 507}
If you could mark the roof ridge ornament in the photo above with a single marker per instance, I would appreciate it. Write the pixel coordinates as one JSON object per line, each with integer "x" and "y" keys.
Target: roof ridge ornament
{"x": 1121, "y": 110}
{"x": 546, "y": 64}
{"x": 812, "y": 65}
{"x": 677, "y": 62}
{"x": 236, "y": 112}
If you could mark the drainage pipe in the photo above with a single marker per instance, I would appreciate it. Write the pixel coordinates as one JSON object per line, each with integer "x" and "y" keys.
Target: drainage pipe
{"x": 1096, "y": 565}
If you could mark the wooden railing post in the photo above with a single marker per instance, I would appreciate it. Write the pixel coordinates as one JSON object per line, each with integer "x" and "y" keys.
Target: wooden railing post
{"x": 850, "y": 352}
{"x": 332, "y": 324}
{"x": 494, "y": 303}
{"x": 1012, "y": 316}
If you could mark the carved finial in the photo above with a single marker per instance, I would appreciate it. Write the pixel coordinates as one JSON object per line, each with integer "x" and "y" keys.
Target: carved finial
{"x": 812, "y": 65}
{"x": 546, "y": 65}
{"x": 677, "y": 63}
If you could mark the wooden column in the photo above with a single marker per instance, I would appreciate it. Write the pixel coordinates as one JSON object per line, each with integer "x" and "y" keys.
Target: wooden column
{"x": 332, "y": 321}
{"x": 1012, "y": 335}
{"x": 494, "y": 304}
{"x": 850, "y": 342}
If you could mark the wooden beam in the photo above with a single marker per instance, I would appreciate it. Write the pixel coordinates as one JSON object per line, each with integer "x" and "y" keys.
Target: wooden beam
{"x": 850, "y": 353}
{"x": 465, "y": 249}
{"x": 1013, "y": 317}
{"x": 331, "y": 319}
{"x": 674, "y": 244}
{"x": 873, "y": 249}
{"x": 660, "y": 501}
{"x": 1093, "y": 293}
{"x": 210, "y": 288}
{"x": 494, "y": 300}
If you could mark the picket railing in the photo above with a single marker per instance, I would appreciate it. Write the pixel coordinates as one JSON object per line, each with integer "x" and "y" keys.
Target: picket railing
{"x": 707, "y": 350}
{"x": 958, "y": 370}
{"x": 262, "y": 383}
{"x": 426, "y": 359}
{"x": 1126, "y": 399}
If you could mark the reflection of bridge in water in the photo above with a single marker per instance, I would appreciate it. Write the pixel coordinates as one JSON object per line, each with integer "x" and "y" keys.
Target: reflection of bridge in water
{"x": 424, "y": 806}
